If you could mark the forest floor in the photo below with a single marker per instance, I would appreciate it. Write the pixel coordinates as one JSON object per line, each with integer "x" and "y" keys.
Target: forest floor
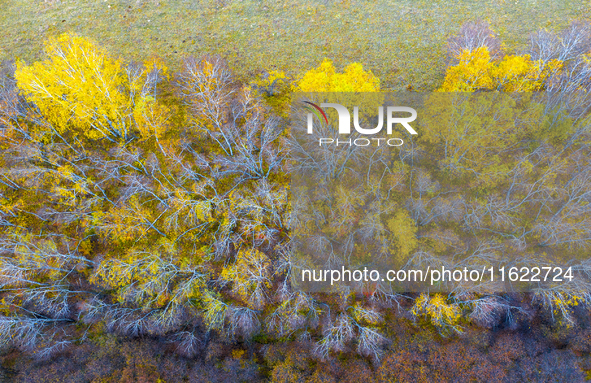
{"x": 401, "y": 41}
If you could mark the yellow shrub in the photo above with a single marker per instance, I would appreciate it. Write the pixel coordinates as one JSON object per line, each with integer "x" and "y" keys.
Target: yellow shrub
{"x": 476, "y": 70}
{"x": 521, "y": 74}
{"x": 325, "y": 78}
{"x": 435, "y": 309}
{"x": 472, "y": 72}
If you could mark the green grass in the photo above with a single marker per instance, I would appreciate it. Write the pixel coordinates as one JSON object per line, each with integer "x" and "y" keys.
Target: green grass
{"x": 401, "y": 41}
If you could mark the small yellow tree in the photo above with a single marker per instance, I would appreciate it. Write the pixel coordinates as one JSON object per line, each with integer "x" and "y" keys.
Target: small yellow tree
{"x": 79, "y": 89}
{"x": 325, "y": 78}
{"x": 445, "y": 316}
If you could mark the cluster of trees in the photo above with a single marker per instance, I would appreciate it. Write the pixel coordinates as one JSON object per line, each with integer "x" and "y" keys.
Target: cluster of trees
{"x": 139, "y": 202}
{"x": 539, "y": 354}
{"x": 132, "y": 203}
{"x": 498, "y": 177}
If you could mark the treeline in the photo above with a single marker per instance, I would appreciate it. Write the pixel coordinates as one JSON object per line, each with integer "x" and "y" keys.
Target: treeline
{"x": 144, "y": 203}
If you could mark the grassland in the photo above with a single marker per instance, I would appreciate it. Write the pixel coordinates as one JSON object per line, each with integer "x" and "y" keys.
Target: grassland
{"x": 401, "y": 41}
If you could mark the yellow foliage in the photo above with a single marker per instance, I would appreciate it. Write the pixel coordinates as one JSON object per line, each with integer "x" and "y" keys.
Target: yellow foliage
{"x": 149, "y": 279}
{"x": 404, "y": 233}
{"x": 365, "y": 315}
{"x": 185, "y": 209}
{"x": 568, "y": 300}
{"x": 476, "y": 70}
{"x": 80, "y": 89}
{"x": 341, "y": 87}
{"x": 521, "y": 74}
{"x": 128, "y": 221}
{"x": 473, "y": 130}
{"x": 42, "y": 258}
{"x": 214, "y": 310}
{"x": 471, "y": 73}
{"x": 151, "y": 117}
{"x": 208, "y": 81}
{"x": 562, "y": 303}
{"x": 156, "y": 64}
{"x": 436, "y": 309}
{"x": 77, "y": 86}
{"x": 85, "y": 247}
{"x": 325, "y": 78}
{"x": 275, "y": 90}
{"x": 251, "y": 276}
{"x": 275, "y": 76}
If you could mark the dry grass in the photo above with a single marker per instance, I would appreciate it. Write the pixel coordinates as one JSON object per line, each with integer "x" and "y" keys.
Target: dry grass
{"x": 401, "y": 41}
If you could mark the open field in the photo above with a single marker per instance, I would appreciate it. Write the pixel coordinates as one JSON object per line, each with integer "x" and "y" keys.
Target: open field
{"x": 400, "y": 41}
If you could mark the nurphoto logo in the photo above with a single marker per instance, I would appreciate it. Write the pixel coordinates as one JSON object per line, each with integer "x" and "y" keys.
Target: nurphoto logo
{"x": 345, "y": 124}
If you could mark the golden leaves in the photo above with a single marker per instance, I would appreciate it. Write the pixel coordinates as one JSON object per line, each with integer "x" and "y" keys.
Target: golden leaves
{"x": 250, "y": 276}
{"x": 476, "y": 70}
{"x": 404, "y": 233}
{"x": 79, "y": 89}
{"x": 435, "y": 308}
{"x": 326, "y": 79}
{"x": 78, "y": 86}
